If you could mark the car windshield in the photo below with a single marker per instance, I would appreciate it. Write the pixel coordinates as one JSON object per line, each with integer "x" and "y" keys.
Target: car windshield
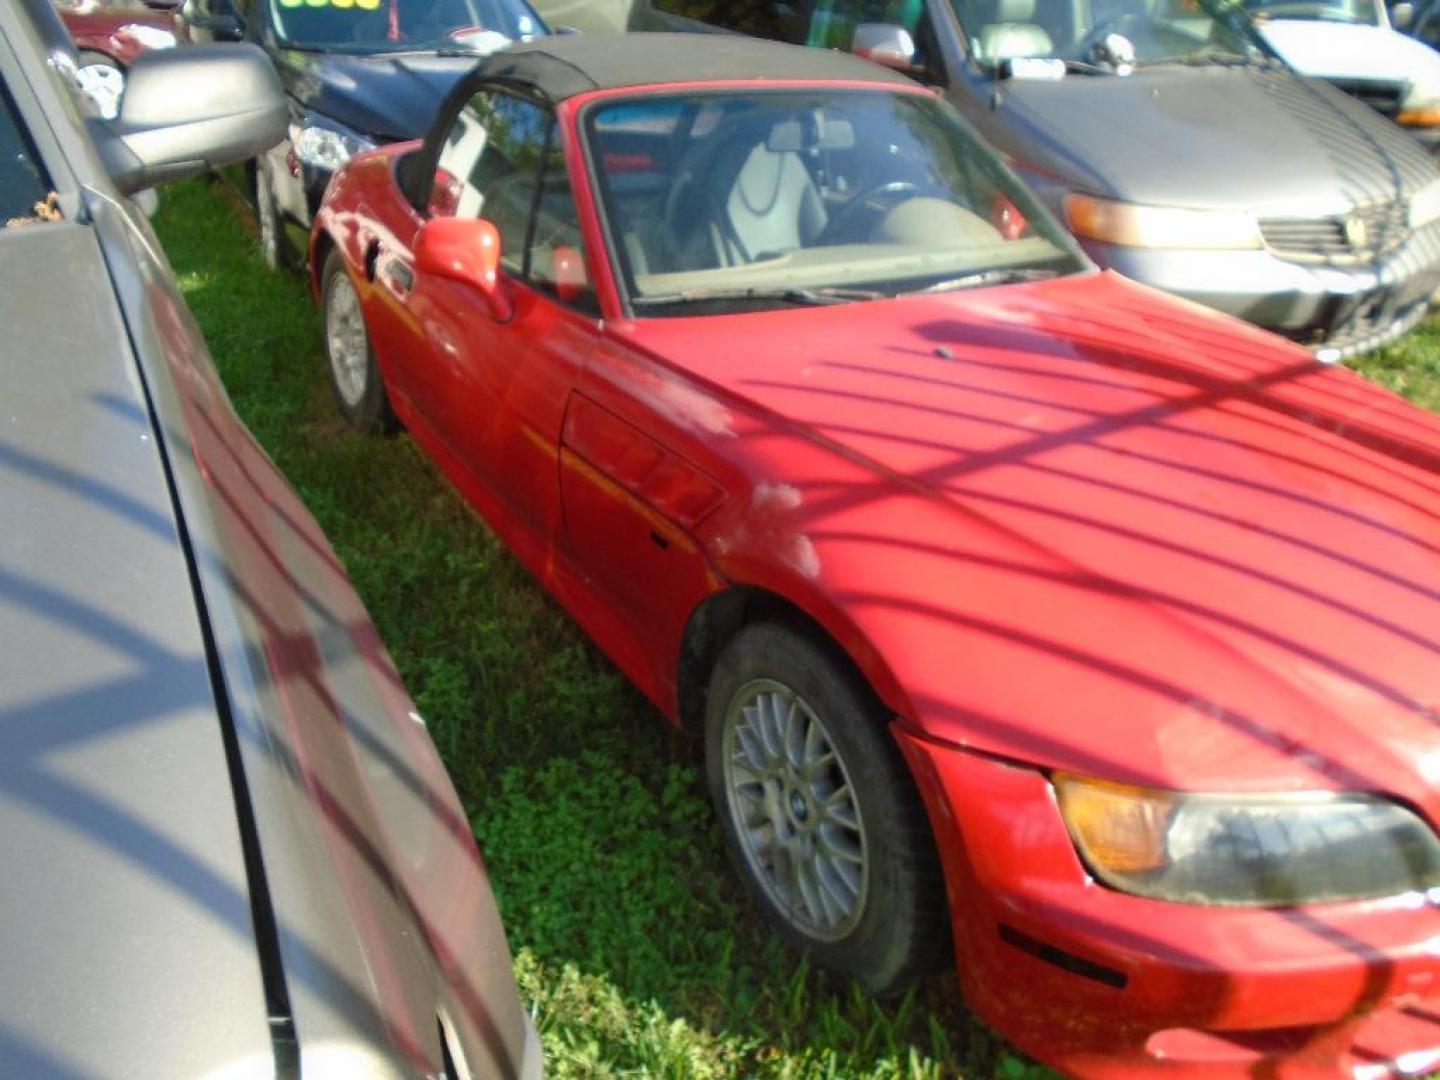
{"x": 778, "y": 197}
{"x": 1361, "y": 12}
{"x": 1104, "y": 36}
{"x": 403, "y": 25}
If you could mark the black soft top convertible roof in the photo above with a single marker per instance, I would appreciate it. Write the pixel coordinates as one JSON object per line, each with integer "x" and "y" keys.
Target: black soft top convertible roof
{"x": 568, "y": 64}
{"x": 560, "y": 67}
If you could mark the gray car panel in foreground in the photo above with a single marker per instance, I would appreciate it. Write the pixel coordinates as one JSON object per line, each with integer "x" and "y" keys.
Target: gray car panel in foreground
{"x": 230, "y": 846}
{"x": 1173, "y": 142}
{"x": 124, "y": 911}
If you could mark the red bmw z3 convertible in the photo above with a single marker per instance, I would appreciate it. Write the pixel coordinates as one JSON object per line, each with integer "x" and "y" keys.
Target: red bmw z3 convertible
{"x": 1021, "y": 607}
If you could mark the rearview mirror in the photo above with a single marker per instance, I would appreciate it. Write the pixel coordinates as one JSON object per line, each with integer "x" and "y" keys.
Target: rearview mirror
{"x": 1402, "y": 15}
{"x": 187, "y": 111}
{"x": 466, "y": 250}
{"x": 885, "y": 44}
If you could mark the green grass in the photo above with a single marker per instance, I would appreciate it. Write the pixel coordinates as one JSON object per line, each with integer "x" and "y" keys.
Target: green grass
{"x": 634, "y": 944}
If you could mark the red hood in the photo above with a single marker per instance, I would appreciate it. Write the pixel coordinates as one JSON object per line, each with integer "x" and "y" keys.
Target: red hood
{"x": 1098, "y": 529}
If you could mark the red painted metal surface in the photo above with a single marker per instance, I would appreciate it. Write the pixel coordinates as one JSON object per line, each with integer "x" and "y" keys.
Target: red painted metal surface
{"x": 102, "y": 28}
{"x": 1066, "y": 525}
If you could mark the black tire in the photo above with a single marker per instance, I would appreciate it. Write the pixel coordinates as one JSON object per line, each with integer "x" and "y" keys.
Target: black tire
{"x": 359, "y": 391}
{"x": 275, "y": 246}
{"x": 899, "y": 928}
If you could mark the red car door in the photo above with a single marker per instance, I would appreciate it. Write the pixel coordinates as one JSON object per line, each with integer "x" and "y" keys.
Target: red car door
{"x": 493, "y": 392}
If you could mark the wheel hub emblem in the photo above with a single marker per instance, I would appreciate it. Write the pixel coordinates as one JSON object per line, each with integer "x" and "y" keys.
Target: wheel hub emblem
{"x": 797, "y": 806}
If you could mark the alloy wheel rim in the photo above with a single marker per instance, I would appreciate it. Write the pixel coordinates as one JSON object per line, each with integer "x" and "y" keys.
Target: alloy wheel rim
{"x": 346, "y": 340}
{"x": 104, "y": 85}
{"x": 794, "y": 807}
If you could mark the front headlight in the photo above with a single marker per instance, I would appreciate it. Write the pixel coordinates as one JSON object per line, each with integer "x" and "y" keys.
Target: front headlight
{"x": 1425, "y": 206}
{"x": 325, "y": 145}
{"x": 152, "y": 37}
{"x": 1263, "y": 851}
{"x": 1131, "y": 225}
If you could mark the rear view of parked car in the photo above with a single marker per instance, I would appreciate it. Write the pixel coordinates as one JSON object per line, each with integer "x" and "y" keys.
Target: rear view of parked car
{"x": 1351, "y": 44}
{"x": 1171, "y": 140}
{"x": 228, "y": 845}
{"x": 355, "y": 76}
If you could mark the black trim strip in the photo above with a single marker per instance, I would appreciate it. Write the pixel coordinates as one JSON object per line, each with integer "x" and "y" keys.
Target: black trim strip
{"x": 281, "y": 1017}
{"x": 1050, "y": 954}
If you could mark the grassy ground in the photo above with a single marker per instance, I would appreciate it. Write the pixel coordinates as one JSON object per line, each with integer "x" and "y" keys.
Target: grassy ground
{"x": 634, "y": 944}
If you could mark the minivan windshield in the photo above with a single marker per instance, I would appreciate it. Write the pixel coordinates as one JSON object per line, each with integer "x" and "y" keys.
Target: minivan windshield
{"x": 809, "y": 196}
{"x": 1096, "y": 36}
{"x": 368, "y": 26}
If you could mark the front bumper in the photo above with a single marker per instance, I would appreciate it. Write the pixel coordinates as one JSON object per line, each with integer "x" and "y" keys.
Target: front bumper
{"x": 1101, "y": 984}
{"x": 1337, "y": 310}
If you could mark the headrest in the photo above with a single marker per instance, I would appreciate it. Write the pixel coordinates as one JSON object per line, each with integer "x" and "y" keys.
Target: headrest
{"x": 825, "y": 133}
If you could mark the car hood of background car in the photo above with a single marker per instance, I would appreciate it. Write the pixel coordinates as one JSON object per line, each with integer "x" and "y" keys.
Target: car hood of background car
{"x": 1335, "y": 50}
{"x": 107, "y": 20}
{"x": 386, "y": 98}
{"x": 126, "y": 941}
{"x": 1092, "y": 528}
{"x": 1231, "y": 138}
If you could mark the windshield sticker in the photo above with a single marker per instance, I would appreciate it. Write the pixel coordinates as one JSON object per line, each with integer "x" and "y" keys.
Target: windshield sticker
{"x": 363, "y": 5}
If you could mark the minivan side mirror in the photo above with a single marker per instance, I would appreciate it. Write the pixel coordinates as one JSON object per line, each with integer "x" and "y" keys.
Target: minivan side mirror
{"x": 187, "y": 111}
{"x": 1402, "y": 15}
{"x": 885, "y": 44}
{"x": 466, "y": 250}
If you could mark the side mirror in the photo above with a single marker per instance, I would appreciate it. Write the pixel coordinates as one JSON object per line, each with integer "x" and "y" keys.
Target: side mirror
{"x": 571, "y": 280}
{"x": 187, "y": 111}
{"x": 466, "y": 250}
{"x": 1402, "y": 15}
{"x": 885, "y": 44}
{"x": 217, "y": 18}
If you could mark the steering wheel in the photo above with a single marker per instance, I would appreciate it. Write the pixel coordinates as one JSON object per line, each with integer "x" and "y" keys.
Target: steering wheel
{"x": 875, "y": 199}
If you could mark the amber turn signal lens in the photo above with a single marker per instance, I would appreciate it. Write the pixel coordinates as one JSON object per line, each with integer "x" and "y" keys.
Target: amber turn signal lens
{"x": 1119, "y": 827}
{"x": 1427, "y": 117}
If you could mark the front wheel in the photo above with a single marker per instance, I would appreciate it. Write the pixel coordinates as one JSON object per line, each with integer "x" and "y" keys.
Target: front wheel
{"x": 820, "y": 815}
{"x": 274, "y": 246}
{"x": 354, "y": 375}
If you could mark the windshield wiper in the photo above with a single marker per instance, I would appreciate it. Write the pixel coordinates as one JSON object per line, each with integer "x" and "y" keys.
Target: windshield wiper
{"x": 1212, "y": 60}
{"x": 825, "y": 294}
{"x": 1009, "y": 276}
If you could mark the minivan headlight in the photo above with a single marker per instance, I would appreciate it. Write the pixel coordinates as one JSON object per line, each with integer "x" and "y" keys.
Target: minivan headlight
{"x": 1256, "y": 850}
{"x": 1133, "y": 225}
{"x": 323, "y": 144}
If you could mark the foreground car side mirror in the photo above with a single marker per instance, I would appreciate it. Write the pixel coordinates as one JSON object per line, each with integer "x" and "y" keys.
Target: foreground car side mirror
{"x": 187, "y": 111}
{"x": 885, "y": 44}
{"x": 466, "y": 250}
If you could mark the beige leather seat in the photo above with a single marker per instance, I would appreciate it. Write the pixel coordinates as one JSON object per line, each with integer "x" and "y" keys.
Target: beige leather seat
{"x": 1013, "y": 33}
{"x": 773, "y": 206}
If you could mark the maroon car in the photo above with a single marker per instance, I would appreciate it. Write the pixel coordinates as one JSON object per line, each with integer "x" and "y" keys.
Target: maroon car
{"x": 110, "y": 36}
